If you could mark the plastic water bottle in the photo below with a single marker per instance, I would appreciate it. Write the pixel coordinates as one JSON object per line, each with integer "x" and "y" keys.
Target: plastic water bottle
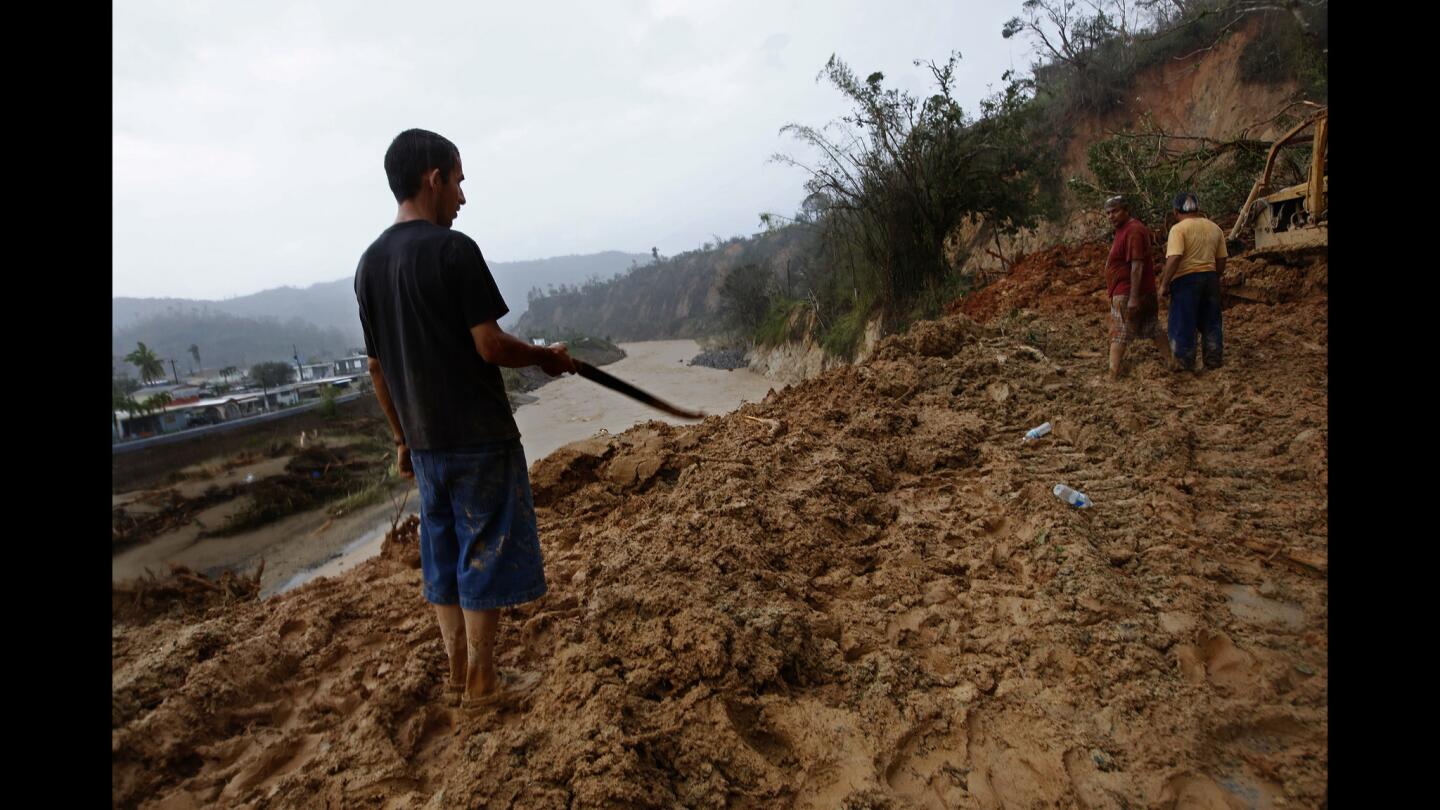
{"x": 1034, "y": 433}
{"x": 1073, "y": 497}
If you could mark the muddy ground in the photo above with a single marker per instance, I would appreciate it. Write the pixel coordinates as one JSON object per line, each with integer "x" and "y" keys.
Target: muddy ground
{"x": 858, "y": 593}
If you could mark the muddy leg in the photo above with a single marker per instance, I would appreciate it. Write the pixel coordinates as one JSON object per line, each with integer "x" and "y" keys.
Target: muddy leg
{"x": 1163, "y": 346}
{"x": 480, "y": 628}
{"x": 452, "y": 632}
{"x": 1117, "y": 359}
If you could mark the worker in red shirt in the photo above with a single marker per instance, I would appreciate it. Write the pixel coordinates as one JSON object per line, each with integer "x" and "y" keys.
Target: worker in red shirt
{"x": 1130, "y": 283}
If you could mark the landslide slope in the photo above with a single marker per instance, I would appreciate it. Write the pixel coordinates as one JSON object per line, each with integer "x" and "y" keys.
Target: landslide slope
{"x": 857, "y": 593}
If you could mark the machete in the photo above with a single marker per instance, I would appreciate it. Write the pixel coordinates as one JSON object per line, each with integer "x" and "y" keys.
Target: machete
{"x": 595, "y": 375}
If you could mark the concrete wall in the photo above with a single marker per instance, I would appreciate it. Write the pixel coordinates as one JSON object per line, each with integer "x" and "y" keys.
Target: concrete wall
{"x": 152, "y": 464}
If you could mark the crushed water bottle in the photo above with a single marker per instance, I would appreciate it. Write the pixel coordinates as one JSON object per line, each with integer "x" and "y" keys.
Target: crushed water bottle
{"x": 1073, "y": 497}
{"x": 1034, "y": 433}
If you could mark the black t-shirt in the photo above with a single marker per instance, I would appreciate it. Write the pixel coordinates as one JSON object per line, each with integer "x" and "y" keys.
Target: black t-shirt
{"x": 420, "y": 288}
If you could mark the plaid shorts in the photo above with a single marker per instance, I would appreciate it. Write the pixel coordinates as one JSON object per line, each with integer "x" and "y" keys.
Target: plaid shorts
{"x": 1144, "y": 324}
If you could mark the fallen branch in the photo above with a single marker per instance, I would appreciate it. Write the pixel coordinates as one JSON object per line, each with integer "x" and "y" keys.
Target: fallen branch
{"x": 776, "y": 426}
{"x": 198, "y": 580}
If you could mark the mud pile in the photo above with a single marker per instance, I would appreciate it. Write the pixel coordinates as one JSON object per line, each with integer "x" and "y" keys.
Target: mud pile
{"x": 1059, "y": 279}
{"x": 857, "y": 593}
{"x": 1274, "y": 277}
{"x": 182, "y": 592}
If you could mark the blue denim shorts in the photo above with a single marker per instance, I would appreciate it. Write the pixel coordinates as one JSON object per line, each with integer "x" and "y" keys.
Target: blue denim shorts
{"x": 478, "y": 543}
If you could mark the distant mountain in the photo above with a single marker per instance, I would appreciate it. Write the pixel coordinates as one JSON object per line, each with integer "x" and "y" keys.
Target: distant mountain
{"x": 322, "y": 314}
{"x": 225, "y": 340}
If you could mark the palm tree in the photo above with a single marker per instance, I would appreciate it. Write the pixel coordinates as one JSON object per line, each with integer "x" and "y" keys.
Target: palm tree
{"x": 227, "y": 372}
{"x": 157, "y": 402}
{"x": 118, "y": 401}
{"x": 148, "y": 362}
{"x": 130, "y": 407}
{"x": 195, "y": 352}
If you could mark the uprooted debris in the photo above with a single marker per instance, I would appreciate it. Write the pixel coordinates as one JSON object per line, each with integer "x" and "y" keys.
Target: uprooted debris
{"x": 182, "y": 590}
{"x": 161, "y": 511}
{"x": 315, "y": 475}
{"x": 879, "y": 604}
{"x": 402, "y": 542}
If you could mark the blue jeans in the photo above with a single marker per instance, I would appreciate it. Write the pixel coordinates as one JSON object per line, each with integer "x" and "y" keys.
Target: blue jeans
{"x": 478, "y": 543}
{"x": 1195, "y": 306}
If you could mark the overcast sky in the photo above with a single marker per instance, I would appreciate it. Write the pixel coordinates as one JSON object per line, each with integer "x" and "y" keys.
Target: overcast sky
{"x": 248, "y": 138}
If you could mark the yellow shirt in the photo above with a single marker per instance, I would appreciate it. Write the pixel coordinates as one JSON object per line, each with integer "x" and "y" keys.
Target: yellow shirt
{"x": 1198, "y": 242}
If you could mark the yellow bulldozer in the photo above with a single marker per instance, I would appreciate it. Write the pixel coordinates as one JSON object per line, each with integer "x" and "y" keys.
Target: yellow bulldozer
{"x": 1297, "y": 216}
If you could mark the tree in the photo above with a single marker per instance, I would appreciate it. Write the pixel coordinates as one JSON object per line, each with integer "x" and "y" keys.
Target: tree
{"x": 1147, "y": 165}
{"x": 1069, "y": 32}
{"x": 328, "y": 406}
{"x": 745, "y": 296}
{"x": 227, "y": 372}
{"x": 195, "y": 352}
{"x": 902, "y": 172}
{"x": 120, "y": 390}
{"x": 148, "y": 363}
{"x": 272, "y": 374}
{"x": 156, "y": 402}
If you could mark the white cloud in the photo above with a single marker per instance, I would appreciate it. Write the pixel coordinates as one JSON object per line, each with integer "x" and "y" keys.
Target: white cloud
{"x": 585, "y": 127}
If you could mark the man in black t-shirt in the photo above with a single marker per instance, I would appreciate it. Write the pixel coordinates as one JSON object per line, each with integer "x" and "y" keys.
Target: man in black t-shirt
{"x": 428, "y": 309}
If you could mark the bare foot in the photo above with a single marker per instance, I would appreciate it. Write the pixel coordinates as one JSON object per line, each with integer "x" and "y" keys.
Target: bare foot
{"x": 483, "y": 684}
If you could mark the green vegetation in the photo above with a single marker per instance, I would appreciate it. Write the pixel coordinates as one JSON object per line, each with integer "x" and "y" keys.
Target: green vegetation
{"x": 329, "y": 409}
{"x": 272, "y": 374}
{"x": 784, "y": 320}
{"x": 843, "y": 337}
{"x": 904, "y": 171}
{"x": 1291, "y": 47}
{"x": 1149, "y": 165}
{"x": 145, "y": 359}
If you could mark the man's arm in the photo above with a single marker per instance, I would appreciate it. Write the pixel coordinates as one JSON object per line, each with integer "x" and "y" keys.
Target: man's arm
{"x": 1219, "y": 266}
{"x": 1172, "y": 263}
{"x": 503, "y": 349}
{"x": 382, "y": 393}
{"x": 1137, "y": 269}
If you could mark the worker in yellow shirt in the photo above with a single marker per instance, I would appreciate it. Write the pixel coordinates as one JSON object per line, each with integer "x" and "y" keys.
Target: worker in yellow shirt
{"x": 1194, "y": 260}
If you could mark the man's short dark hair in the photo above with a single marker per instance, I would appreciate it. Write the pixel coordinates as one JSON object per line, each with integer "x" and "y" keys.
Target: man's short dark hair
{"x": 413, "y": 153}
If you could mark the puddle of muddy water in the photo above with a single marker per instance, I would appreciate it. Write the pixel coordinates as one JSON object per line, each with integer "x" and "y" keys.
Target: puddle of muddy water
{"x": 1247, "y": 604}
{"x": 354, "y": 553}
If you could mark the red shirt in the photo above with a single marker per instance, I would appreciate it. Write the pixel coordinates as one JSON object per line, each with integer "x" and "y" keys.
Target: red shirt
{"x": 1132, "y": 243}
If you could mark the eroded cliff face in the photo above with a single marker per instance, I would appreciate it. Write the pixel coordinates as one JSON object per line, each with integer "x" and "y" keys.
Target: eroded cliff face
{"x": 1203, "y": 96}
